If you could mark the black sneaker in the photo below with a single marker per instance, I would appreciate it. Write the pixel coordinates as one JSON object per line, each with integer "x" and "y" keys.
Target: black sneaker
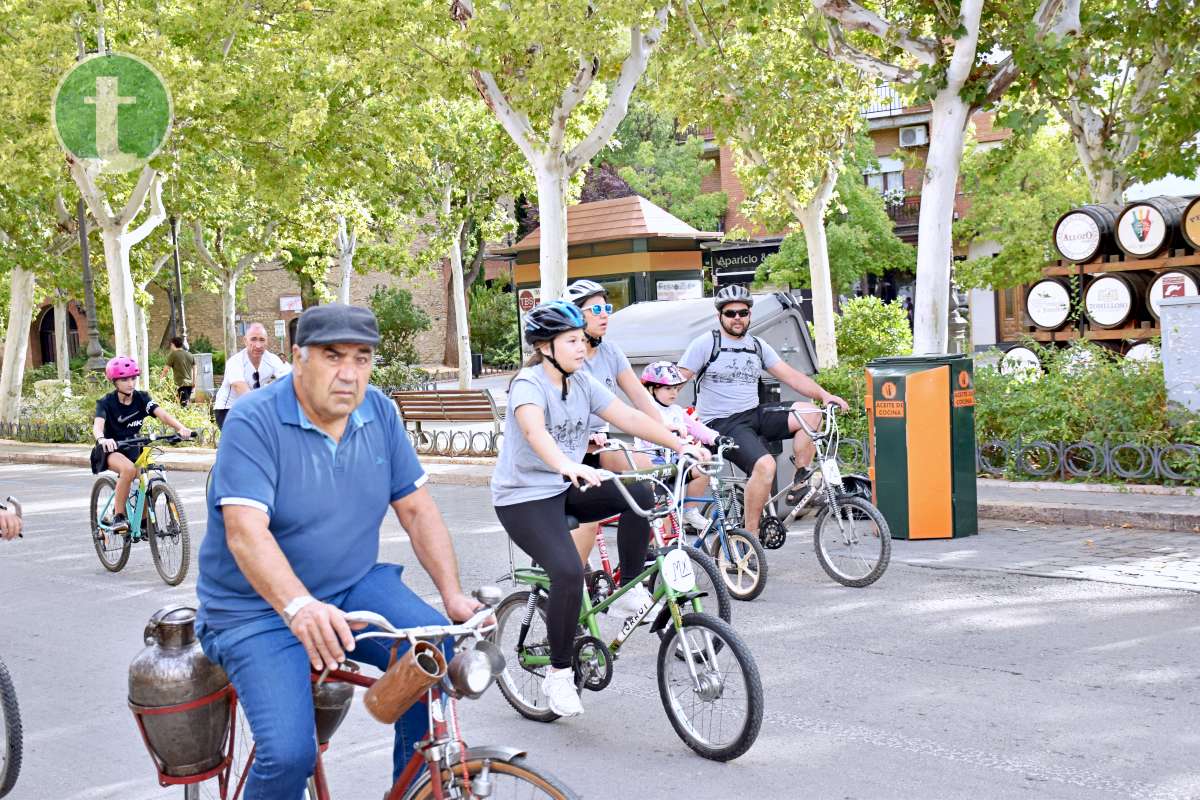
{"x": 120, "y": 524}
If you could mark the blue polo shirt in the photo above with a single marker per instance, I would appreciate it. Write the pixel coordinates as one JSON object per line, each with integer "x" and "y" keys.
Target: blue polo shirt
{"x": 325, "y": 499}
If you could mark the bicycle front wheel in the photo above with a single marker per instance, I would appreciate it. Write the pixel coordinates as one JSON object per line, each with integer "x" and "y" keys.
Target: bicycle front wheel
{"x": 112, "y": 548}
{"x": 509, "y": 780}
{"x": 741, "y": 561}
{"x": 515, "y": 636}
{"x": 853, "y": 544}
{"x": 170, "y": 542}
{"x": 10, "y": 733}
{"x": 719, "y": 712}
{"x": 708, "y": 581}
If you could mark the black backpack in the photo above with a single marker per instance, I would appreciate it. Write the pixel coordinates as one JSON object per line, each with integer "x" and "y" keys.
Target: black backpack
{"x": 716, "y": 353}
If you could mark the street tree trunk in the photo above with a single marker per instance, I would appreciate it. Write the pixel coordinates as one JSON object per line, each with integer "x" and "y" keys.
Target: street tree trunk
{"x": 934, "y": 247}
{"x": 346, "y": 242}
{"x": 552, "y": 177}
{"x": 812, "y": 218}
{"x": 62, "y": 328}
{"x": 16, "y": 343}
{"x": 462, "y": 324}
{"x": 118, "y": 239}
{"x": 229, "y": 313}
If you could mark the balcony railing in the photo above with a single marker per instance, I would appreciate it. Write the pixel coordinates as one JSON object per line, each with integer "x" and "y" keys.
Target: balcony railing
{"x": 906, "y": 213}
{"x": 886, "y": 101}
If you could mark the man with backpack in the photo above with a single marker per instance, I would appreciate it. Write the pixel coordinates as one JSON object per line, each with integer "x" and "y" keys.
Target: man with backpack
{"x": 727, "y": 365}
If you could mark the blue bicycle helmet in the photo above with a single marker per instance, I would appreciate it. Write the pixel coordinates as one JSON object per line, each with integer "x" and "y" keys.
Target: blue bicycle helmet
{"x": 548, "y": 320}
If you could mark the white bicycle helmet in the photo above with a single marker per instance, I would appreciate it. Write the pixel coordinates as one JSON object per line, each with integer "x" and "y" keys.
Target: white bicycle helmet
{"x": 581, "y": 290}
{"x": 733, "y": 294}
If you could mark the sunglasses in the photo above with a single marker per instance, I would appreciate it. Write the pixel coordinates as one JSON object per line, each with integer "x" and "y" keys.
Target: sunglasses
{"x": 257, "y": 385}
{"x": 596, "y": 308}
{"x": 744, "y": 312}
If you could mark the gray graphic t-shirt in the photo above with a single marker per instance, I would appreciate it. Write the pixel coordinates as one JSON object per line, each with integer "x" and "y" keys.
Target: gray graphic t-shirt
{"x": 605, "y": 366}
{"x": 520, "y": 474}
{"x": 730, "y": 385}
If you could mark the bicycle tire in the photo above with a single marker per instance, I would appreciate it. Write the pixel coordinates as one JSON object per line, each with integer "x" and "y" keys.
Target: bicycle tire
{"x": 177, "y": 529}
{"x": 522, "y": 687}
{"x": 10, "y": 755}
{"x": 523, "y": 775}
{"x": 105, "y": 554}
{"x": 745, "y": 546}
{"x": 733, "y": 647}
{"x": 720, "y": 590}
{"x": 882, "y": 538}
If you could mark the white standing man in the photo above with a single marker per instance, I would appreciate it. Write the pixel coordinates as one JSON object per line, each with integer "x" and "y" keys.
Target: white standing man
{"x": 251, "y": 368}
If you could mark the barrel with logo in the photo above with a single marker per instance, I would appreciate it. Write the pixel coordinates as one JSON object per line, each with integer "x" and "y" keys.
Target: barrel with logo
{"x": 1147, "y": 227}
{"x": 1141, "y": 350}
{"x": 1022, "y": 362}
{"x": 1083, "y": 233}
{"x": 1112, "y": 299}
{"x": 1191, "y": 224}
{"x": 1048, "y": 303}
{"x": 1179, "y": 282}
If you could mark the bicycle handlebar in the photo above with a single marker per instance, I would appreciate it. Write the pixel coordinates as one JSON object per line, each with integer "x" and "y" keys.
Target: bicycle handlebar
{"x": 12, "y": 504}
{"x": 142, "y": 441}
{"x": 475, "y": 626}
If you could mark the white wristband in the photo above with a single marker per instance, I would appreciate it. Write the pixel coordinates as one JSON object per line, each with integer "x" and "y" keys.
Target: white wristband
{"x": 293, "y": 608}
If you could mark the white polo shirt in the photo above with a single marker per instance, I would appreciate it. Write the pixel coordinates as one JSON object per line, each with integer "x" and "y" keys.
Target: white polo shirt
{"x": 240, "y": 368}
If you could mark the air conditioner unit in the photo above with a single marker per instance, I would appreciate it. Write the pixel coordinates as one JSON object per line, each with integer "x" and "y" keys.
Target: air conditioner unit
{"x": 914, "y": 136}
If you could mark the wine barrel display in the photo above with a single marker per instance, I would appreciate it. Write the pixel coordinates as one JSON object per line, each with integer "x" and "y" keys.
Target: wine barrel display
{"x": 1022, "y": 361}
{"x": 1113, "y": 298}
{"x": 1181, "y": 282}
{"x": 1048, "y": 303}
{"x": 1142, "y": 351}
{"x": 1146, "y": 227}
{"x": 1191, "y": 224}
{"x": 1083, "y": 233}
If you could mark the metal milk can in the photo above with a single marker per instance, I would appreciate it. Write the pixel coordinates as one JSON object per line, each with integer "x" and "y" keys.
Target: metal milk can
{"x": 177, "y": 695}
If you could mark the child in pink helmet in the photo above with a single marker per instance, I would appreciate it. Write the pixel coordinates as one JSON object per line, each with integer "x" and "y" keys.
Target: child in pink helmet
{"x": 663, "y": 381}
{"x": 119, "y": 416}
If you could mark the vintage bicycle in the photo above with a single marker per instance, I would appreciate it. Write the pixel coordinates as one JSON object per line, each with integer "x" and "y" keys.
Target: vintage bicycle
{"x": 10, "y": 712}
{"x": 708, "y": 680}
{"x": 154, "y": 513}
{"x": 442, "y": 766}
{"x": 851, "y": 538}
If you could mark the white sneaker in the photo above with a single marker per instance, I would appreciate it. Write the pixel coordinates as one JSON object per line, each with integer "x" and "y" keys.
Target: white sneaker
{"x": 559, "y": 688}
{"x": 630, "y": 604}
{"x": 695, "y": 520}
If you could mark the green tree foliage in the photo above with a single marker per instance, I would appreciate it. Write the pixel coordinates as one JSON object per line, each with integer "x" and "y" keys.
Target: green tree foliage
{"x": 1017, "y": 191}
{"x": 869, "y": 328}
{"x": 494, "y": 323}
{"x": 399, "y": 323}
{"x": 861, "y": 237}
{"x": 664, "y": 167}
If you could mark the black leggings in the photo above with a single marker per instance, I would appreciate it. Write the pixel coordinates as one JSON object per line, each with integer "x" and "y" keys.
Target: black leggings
{"x": 539, "y": 527}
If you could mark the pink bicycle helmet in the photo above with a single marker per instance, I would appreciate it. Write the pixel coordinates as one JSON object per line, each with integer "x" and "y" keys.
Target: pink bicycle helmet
{"x": 121, "y": 367}
{"x": 662, "y": 373}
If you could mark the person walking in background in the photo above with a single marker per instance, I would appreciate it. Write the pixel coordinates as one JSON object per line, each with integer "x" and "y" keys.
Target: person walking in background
{"x": 183, "y": 368}
{"x": 251, "y": 368}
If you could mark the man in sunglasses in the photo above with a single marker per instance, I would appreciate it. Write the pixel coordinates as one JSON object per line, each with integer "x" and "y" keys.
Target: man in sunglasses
{"x": 727, "y": 366}
{"x": 251, "y": 368}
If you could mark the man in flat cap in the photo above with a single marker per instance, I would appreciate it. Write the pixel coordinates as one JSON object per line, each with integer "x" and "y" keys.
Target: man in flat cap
{"x": 306, "y": 470}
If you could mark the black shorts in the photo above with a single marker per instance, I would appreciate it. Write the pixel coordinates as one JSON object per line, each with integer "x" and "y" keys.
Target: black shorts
{"x": 99, "y": 458}
{"x": 754, "y": 430}
{"x": 185, "y": 394}
{"x": 592, "y": 460}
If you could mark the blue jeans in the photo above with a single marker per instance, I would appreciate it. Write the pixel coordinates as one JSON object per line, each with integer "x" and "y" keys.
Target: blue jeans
{"x": 271, "y": 673}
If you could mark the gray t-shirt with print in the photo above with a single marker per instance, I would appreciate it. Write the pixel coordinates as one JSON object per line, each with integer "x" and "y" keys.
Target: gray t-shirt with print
{"x": 605, "y": 366}
{"x": 730, "y": 385}
{"x": 520, "y": 474}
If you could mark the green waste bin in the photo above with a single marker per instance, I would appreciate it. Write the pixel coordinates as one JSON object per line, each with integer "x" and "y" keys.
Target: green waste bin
{"x": 921, "y": 418}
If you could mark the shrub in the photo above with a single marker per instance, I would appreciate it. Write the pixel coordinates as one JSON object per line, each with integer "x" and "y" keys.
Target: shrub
{"x": 399, "y": 323}
{"x": 493, "y": 319}
{"x": 868, "y": 328}
{"x": 398, "y": 376}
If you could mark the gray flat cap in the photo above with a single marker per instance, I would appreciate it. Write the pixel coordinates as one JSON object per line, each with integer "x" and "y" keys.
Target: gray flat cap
{"x": 335, "y": 323}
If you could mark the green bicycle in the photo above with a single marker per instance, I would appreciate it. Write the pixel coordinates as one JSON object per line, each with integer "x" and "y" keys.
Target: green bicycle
{"x": 707, "y": 679}
{"x": 154, "y": 513}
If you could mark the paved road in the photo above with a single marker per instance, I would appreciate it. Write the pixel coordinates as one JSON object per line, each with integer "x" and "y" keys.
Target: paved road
{"x": 947, "y": 683}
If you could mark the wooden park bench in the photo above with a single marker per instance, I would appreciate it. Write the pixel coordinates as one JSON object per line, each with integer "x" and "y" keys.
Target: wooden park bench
{"x": 448, "y": 405}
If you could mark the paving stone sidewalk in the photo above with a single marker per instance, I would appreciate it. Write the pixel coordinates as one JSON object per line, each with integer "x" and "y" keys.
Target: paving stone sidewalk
{"x": 1153, "y": 559}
